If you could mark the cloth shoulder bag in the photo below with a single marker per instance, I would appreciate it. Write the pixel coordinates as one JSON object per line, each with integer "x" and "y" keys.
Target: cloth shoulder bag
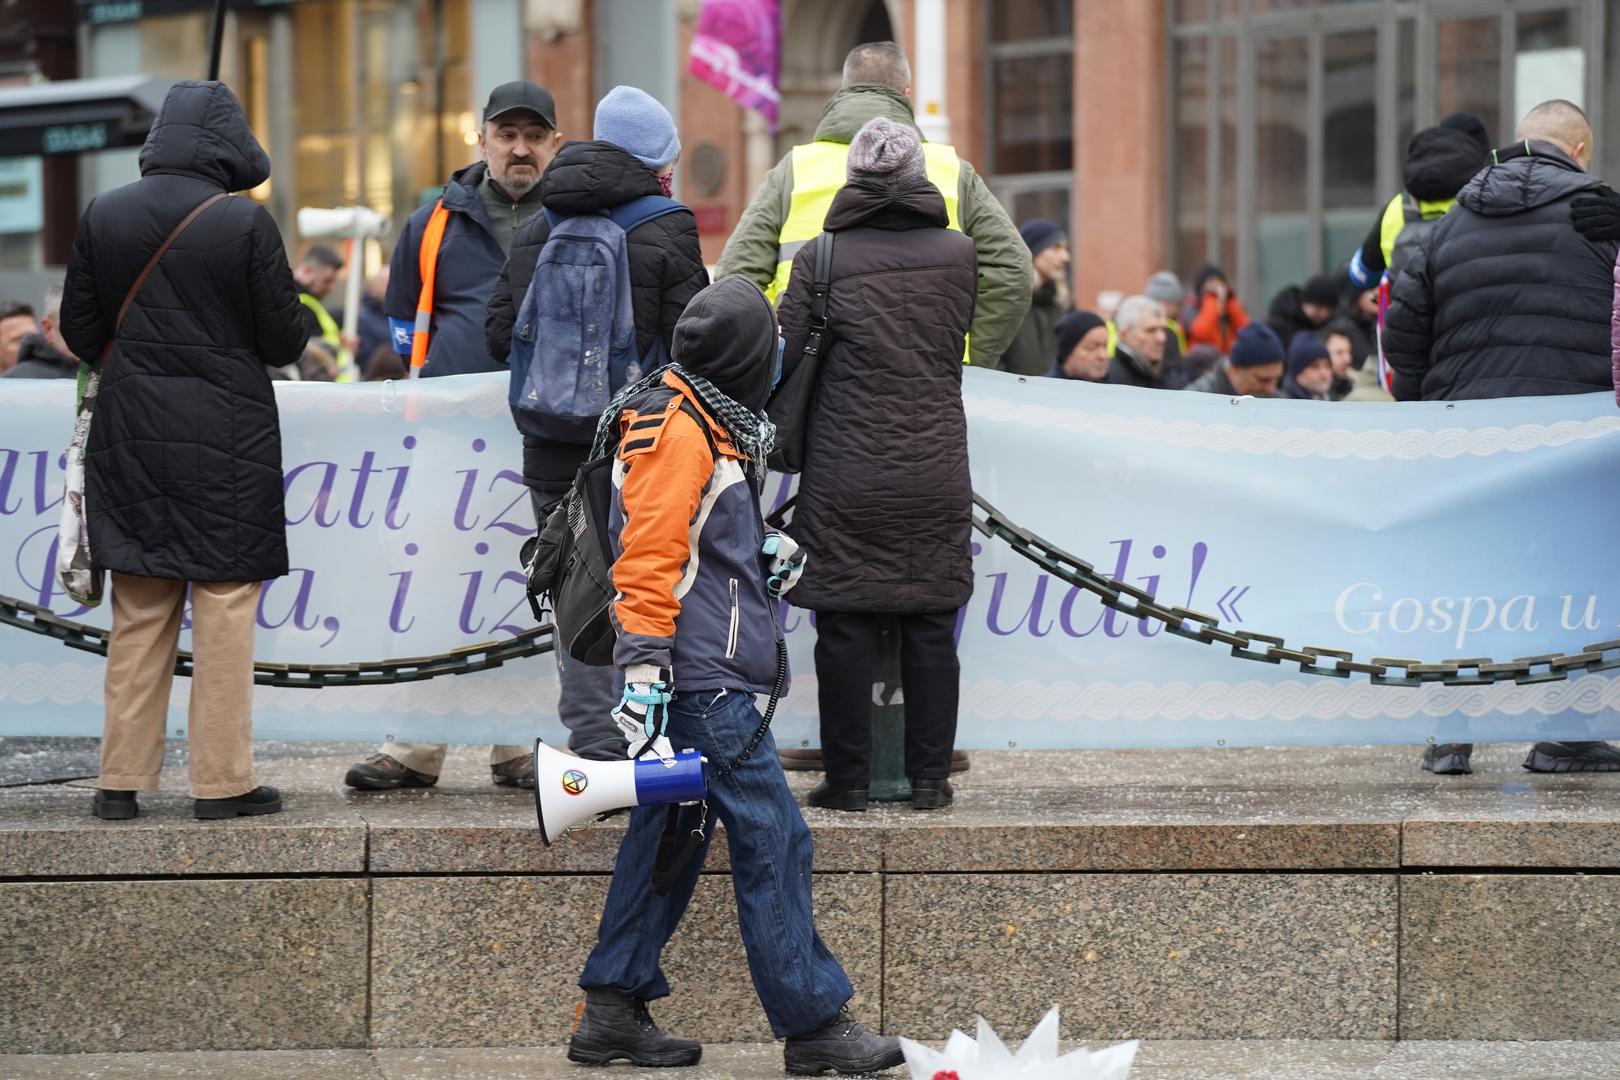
{"x": 79, "y": 576}
{"x": 789, "y": 407}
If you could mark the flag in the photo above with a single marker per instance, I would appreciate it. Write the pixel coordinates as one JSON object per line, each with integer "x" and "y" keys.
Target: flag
{"x": 737, "y": 50}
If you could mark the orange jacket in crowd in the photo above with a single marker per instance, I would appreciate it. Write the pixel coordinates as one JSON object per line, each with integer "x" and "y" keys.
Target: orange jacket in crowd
{"x": 1217, "y": 324}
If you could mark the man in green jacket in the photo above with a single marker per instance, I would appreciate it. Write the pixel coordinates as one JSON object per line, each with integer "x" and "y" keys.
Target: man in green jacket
{"x": 788, "y": 209}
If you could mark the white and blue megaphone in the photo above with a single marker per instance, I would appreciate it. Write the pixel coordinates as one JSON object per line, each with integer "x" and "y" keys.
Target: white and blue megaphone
{"x": 568, "y": 789}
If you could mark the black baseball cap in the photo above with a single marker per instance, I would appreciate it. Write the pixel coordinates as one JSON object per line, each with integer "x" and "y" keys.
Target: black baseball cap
{"x": 521, "y": 94}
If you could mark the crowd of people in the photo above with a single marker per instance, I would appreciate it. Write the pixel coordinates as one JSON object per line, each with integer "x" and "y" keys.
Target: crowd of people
{"x": 1489, "y": 275}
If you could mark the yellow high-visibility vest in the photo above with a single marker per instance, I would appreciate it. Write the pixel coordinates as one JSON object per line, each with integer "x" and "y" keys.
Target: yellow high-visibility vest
{"x": 819, "y": 171}
{"x": 332, "y": 336}
{"x": 1397, "y": 217}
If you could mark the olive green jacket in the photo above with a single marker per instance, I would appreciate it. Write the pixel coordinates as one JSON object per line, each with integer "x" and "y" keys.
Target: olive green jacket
{"x": 1004, "y": 278}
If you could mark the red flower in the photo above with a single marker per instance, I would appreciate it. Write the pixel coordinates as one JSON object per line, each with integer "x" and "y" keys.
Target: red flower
{"x": 946, "y": 1074}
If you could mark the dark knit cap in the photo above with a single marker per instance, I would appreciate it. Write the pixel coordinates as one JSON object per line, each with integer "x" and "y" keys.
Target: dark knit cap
{"x": 1040, "y": 234}
{"x": 1471, "y": 126}
{"x": 1072, "y": 327}
{"x": 1321, "y": 290}
{"x": 1305, "y": 350}
{"x": 1256, "y": 344}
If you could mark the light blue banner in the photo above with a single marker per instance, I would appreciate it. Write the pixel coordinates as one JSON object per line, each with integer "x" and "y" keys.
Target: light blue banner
{"x": 1416, "y": 530}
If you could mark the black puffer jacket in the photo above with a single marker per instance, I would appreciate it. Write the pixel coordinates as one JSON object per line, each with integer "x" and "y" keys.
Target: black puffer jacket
{"x": 666, "y": 271}
{"x": 183, "y": 469}
{"x": 1508, "y": 299}
{"x": 885, "y": 500}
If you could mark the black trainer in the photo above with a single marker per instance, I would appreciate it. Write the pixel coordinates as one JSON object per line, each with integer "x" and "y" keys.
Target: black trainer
{"x": 931, "y": 794}
{"x": 617, "y": 1027}
{"x": 1449, "y": 758}
{"x": 829, "y": 796}
{"x": 261, "y": 800}
{"x": 1556, "y": 757}
{"x": 379, "y": 772}
{"x": 113, "y": 805}
{"x": 842, "y": 1046}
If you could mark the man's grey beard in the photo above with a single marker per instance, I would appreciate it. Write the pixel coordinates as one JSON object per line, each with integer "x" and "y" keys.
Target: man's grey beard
{"x": 515, "y": 186}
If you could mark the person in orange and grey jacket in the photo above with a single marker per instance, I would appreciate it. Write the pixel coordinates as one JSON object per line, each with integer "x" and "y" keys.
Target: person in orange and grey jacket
{"x": 1219, "y": 314}
{"x": 885, "y": 500}
{"x": 696, "y": 613}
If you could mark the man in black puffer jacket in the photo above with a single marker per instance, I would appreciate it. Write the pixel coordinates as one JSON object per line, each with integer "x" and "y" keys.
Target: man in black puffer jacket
{"x": 633, "y": 155}
{"x": 1507, "y": 299}
{"x": 183, "y": 468}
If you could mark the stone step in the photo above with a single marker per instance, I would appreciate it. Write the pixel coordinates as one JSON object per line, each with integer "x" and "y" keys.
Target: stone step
{"x": 1157, "y": 1060}
{"x": 1260, "y": 894}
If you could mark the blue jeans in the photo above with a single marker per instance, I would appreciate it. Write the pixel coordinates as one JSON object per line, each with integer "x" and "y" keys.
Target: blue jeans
{"x": 797, "y": 979}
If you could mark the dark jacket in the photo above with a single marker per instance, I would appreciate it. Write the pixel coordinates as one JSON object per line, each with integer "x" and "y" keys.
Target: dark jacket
{"x": 183, "y": 468}
{"x": 1034, "y": 347}
{"x": 1124, "y": 369}
{"x": 470, "y": 261}
{"x": 371, "y": 327}
{"x": 1508, "y": 299}
{"x": 666, "y": 271}
{"x": 1439, "y": 161}
{"x": 37, "y": 360}
{"x": 1214, "y": 381}
{"x": 885, "y": 500}
{"x": 1286, "y": 317}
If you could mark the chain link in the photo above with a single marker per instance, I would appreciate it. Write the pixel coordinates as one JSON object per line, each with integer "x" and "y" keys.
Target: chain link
{"x": 1136, "y": 603}
{"x": 1128, "y": 600}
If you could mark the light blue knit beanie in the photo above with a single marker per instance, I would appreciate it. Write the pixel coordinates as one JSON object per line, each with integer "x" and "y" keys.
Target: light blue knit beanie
{"x": 634, "y": 120}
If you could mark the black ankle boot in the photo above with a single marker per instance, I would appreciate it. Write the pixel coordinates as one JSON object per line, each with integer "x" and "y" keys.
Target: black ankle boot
{"x": 261, "y": 800}
{"x": 617, "y": 1027}
{"x": 931, "y": 794}
{"x": 113, "y": 805}
{"x": 830, "y": 796}
{"x": 842, "y": 1046}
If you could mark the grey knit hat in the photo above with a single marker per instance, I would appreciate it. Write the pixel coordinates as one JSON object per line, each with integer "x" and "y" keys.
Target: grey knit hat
{"x": 887, "y": 151}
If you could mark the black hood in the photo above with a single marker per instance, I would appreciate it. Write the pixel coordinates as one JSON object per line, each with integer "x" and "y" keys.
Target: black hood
{"x": 913, "y": 203}
{"x": 202, "y": 131}
{"x": 35, "y": 348}
{"x": 727, "y": 334}
{"x": 586, "y": 177}
{"x": 1439, "y": 161}
{"x": 1523, "y": 177}
{"x": 1472, "y": 126}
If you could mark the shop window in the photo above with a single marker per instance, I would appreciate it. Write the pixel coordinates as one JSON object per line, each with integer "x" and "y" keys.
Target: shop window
{"x": 1349, "y": 141}
{"x": 1192, "y": 152}
{"x": 1031, "y": 82}
{"x": 1468, "y": 69}
{"x": 1548, "y": 62}
{"x": 1282, "y": 68}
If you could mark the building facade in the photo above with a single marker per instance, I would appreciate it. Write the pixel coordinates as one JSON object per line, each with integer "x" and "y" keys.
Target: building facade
{"x": 1260, "y": 135}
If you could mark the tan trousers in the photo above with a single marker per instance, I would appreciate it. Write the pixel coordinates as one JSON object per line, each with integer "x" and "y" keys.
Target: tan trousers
{"x": 428, "y": 758}
{"x": 140, "y": 671}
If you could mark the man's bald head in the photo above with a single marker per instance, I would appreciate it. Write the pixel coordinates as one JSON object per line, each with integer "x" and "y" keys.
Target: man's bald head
{"x": 878, "y": 62}
{"x": 1563, "y": 124}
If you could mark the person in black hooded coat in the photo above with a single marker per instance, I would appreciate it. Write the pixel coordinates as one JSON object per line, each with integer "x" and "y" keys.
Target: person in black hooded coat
{"x": 885, "y": 500}
{"x": 183, "y": 466}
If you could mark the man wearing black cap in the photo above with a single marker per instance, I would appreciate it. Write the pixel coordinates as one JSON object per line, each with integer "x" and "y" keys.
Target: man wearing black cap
{"x": 464, "y": 236}
{"x": 1031, "y": 350}
{"x": 1305, "y": 307}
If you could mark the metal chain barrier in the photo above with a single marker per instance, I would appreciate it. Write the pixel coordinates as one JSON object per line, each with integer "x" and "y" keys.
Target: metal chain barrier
{"x": 1266, "y": 649}
{"x": 1126, "y": 599}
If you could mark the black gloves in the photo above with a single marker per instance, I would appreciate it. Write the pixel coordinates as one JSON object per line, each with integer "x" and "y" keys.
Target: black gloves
{"x": 1597, "y": 216}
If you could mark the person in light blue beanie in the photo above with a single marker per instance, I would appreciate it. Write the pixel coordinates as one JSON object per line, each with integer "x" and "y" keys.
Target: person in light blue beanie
{"x": 634, "y": 120}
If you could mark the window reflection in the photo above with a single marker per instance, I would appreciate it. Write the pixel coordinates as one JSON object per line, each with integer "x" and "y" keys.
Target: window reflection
{"x": 1282, "y": 145}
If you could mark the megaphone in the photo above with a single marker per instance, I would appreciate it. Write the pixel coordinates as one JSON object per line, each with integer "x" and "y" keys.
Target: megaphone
{"x": 567, "y": 789}
{"x": 357, "y": 221}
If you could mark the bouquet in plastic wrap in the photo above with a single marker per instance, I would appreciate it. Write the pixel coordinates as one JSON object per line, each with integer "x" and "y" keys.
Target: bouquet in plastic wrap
{"x": 987, "y": 1057}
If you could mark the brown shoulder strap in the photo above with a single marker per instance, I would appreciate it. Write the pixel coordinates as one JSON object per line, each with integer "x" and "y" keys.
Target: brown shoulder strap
{"x": 151, "y": 264}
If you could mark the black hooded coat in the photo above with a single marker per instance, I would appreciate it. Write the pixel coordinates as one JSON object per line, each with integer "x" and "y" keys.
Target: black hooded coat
{"x": 183, "y": 469}
{"x": 885, "y": 499}
{"x": 1507, "y": 299}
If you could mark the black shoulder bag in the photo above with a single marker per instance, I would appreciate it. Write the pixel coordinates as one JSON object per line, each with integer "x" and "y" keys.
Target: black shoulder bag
{"x": 789, "y": 407}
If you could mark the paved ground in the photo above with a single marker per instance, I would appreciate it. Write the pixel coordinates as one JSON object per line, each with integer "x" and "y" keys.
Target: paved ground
{"x": 1156, "y": 1061}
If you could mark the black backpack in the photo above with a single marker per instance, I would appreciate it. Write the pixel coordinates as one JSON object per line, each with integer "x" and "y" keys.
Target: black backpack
{"x": 571, "y": 560}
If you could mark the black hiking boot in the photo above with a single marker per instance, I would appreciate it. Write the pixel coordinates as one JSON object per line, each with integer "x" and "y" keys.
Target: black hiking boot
{"x": 1449, "y": 758}
{"x": 379, "y": 772}
{"x": 1555, "y": 757}
{"x": 931, "y": 794}
{"x": 617, "y": 1027}
{"x": 829, "y": 796}
{"x": 113, "y": 805}
{"x": 261, "y": 800}
{"x": 841, "y": 1046}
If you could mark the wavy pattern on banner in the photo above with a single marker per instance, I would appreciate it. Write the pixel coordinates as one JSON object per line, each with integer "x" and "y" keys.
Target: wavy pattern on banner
{"x": 1333, "y": 444}
{"x": 66, "y": 683}
{"x": 1286, "y": 702}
